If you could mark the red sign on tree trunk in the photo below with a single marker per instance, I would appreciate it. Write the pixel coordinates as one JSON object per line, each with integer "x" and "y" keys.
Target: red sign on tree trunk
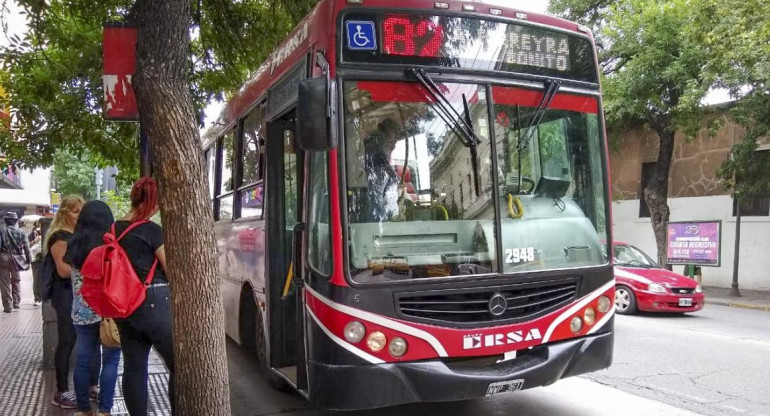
{"x": 119, "y": 65}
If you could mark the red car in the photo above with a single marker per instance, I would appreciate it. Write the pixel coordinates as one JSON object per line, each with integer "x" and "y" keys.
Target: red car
{"x": 642, "y": 285}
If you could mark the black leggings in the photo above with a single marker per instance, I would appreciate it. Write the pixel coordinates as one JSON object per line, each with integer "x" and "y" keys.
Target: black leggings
{"x": 61, "y": 300}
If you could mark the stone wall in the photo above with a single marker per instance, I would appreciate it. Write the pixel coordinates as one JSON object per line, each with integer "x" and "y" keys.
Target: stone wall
{"x": 693, "y": 170}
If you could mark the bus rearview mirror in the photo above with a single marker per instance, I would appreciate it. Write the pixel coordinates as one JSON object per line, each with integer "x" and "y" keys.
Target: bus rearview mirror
{"x": 316, "y": 115}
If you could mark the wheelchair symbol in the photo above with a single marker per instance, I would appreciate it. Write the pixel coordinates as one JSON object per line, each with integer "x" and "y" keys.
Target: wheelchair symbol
{"x": 361, "y": 35}
{"x": 360, "y": 38}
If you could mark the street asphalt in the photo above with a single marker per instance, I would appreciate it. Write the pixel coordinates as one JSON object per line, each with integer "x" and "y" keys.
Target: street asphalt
{"x": 713, "y": 362}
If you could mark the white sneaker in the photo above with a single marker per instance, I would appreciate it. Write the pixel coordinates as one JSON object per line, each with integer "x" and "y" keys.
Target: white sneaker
{"x": 38, "y": 303}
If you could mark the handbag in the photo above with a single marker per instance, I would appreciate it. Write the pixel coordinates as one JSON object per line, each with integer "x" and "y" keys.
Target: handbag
{"x": 20, "y": 262}
{"x": 108, "y": 333}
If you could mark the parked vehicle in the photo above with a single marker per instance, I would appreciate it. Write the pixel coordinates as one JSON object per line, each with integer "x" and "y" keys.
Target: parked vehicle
{"x": 642, "y": 285}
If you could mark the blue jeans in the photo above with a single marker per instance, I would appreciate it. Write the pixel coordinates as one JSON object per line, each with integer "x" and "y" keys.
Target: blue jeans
{"x": 86, "y": 349}
{"x": 149, "y": 326}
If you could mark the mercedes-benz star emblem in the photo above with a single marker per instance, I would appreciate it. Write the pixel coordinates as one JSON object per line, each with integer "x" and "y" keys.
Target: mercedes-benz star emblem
{"x": 497, "y": 304}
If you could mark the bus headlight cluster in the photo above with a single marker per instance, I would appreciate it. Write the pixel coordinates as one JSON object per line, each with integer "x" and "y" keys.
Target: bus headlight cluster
{"x": 589, "y": 315}
{"x": 354, "y": 331}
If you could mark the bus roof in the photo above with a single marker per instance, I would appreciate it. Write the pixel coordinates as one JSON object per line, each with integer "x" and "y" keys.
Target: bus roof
{"x": 312, "y": 31}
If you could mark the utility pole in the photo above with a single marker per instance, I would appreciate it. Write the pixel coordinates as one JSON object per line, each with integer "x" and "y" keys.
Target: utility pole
{"x": 98, "y": 175}
{"x": 736, "y": 256}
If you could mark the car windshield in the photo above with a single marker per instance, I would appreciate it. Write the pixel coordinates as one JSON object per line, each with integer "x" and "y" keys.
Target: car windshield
{"x": 631, "y": 256}
{"x": 419, "y": 207}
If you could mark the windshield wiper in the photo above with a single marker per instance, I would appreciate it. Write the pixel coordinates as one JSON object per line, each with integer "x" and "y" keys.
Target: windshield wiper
{"x": 551, "y": 88}
{"x": 461, "y": 126}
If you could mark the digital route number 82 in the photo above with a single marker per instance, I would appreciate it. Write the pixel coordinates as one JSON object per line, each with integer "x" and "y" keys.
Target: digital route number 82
{"x": 403, "y": 37}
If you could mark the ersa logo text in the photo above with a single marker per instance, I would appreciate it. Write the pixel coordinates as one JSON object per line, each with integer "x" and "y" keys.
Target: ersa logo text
{"x": 513, "y": 337}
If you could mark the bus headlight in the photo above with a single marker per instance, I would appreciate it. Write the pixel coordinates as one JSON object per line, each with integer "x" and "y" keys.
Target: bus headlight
{"x": 354, "y": 331}
{"x": 576, "y": 324}
{"x": 604, "y": 304}
{"x": 589, "y": 316}
{"x": 376, "y": 341}
{"x": 397, "y": 347}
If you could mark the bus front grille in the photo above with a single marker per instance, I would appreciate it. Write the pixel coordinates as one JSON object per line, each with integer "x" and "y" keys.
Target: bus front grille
{"x": 480, "y": 305}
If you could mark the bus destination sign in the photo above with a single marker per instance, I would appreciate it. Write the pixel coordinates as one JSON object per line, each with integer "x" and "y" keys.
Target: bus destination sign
{"x": 532, "y": 47}
{"x": 464, "y": 42}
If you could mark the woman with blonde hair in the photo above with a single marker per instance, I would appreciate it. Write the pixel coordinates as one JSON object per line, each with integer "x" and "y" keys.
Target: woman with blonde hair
{"x": 55, "y": 246}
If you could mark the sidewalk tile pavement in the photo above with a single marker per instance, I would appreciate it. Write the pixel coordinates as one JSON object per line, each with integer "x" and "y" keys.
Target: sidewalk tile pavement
{"x": 26, "y": 388}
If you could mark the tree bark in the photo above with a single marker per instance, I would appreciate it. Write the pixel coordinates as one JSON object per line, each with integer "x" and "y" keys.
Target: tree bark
{"x": 656, "y": 191}
{"x": 162, "y": 83}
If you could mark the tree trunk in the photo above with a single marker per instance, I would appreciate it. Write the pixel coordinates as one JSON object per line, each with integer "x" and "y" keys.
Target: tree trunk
{"x": 162, "y": 84}
{"x": 656, "y": 192}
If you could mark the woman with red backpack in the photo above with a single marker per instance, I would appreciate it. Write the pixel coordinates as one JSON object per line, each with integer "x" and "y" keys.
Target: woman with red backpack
{"x": 149, "y": 325}
{"x": 94, "y": 221}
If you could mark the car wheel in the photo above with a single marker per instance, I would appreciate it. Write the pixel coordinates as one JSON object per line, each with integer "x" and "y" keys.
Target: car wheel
{"x": 625, "y": 301}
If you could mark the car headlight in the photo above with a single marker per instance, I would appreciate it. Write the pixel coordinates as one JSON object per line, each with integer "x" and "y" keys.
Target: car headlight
{"x": 656, "y": 288}
{"x": 698, "y": 289}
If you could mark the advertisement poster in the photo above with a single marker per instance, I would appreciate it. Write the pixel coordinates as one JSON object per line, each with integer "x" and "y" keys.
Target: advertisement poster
{"x": 697, "y": 242}
{"x": 119, "y": 54}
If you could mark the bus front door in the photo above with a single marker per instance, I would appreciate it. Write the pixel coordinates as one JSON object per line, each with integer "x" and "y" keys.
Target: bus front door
{"x": 284, "y": 199}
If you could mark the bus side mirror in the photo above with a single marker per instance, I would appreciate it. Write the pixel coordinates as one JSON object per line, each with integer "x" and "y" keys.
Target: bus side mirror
{"x": 317, "y": 115}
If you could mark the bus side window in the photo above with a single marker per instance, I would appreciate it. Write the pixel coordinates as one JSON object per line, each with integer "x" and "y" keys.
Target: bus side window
{"x": 210, "y": 157}
{"x": 224, "y": 195}
{"x": 251, "y": 188}
{"x": 319, "y": 237}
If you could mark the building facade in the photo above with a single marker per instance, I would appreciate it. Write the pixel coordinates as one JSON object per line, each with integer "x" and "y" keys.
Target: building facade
{"x": 695, "y": 193}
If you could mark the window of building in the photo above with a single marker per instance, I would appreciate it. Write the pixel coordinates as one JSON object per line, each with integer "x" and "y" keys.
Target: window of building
{"x": 211, "y": 160}
{"x": 753, "y": 207}
{"x": 251, "y": 187}
{"x": 647, "y": 171}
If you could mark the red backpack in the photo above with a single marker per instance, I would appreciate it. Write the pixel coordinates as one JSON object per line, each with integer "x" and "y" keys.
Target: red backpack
{"x": 110, "y": 285}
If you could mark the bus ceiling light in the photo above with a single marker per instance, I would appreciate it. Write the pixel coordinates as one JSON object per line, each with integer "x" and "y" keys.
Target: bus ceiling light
{"x": 496, "y": 12}
{"x": 520, "y": 15}
{"x": 376, "y": 341}
{"x": 354, "y": 331}
{"x": 440, "y": 5}
{"x": 576, "y": 324}
{"x": 604, "y": 304}
{"x": 469, "y": 8}
{"x": 589, "y": 315}
{"x": 397, "y": 347}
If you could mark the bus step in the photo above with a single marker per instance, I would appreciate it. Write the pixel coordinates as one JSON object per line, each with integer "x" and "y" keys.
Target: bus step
{"x": 289, "y": 373}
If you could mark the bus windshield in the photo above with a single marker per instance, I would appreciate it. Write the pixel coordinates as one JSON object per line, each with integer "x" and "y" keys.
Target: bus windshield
{"x": 419, "y": 208}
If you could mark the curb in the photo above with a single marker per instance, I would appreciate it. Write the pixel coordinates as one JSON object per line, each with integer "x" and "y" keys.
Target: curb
{"x": 738, "y": 305}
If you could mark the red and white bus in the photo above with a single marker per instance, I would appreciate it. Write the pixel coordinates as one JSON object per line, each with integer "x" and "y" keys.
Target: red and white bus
{"x": 412, "y": 204}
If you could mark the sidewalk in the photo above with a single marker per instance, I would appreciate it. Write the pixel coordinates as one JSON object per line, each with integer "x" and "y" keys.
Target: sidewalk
{"x": 750, "y": 299}
{"x": 26, "y": 388}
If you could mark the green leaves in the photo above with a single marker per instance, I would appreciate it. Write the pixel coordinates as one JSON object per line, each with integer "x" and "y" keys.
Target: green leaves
{"x": 53, "y": 74}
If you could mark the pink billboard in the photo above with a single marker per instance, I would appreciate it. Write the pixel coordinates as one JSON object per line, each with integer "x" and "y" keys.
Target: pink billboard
{"x": 696, "y": 242}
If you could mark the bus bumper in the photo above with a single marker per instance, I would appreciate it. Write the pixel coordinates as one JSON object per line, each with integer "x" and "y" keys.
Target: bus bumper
{"x": 345, "y": 387}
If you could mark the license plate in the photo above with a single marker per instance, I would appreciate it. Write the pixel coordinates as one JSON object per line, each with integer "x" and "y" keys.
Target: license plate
{"x": 685, "y": 302}
{"x": 505, "y": 387}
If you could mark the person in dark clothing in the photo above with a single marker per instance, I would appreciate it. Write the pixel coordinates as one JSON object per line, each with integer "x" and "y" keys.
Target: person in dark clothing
{"x": 55, "y": 245}
{"x": 14, "y": 257}
{"x": 382, "y": 179}
{"x": 150, "y": 325}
